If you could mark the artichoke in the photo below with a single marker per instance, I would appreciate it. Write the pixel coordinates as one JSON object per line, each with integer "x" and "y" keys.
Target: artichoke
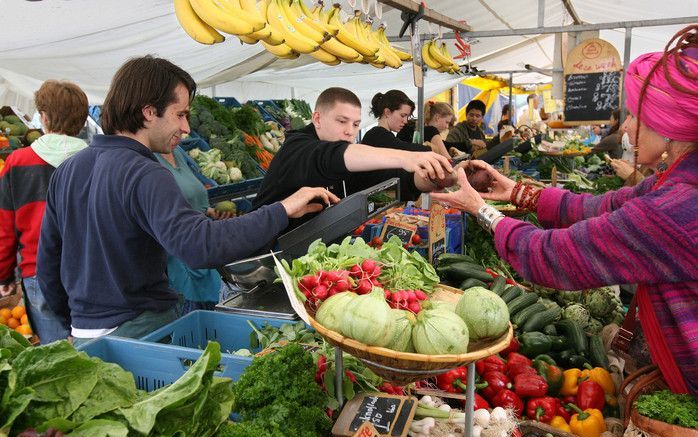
{"x": 594, "y": 327}
{"x": 577, "y": 313}
{"x": 600, "y": 302}
{"x": 565, "y": 298}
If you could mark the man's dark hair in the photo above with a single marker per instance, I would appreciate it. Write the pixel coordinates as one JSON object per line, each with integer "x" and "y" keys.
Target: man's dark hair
{"x": 328, "y": 98}
{"x": 530, "y": 97}
{"x": 476, "y": 104}
{"x": 141, "y": 82}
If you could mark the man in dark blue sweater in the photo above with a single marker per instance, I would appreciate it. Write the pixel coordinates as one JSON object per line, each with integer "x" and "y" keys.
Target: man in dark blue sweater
{"x": 113, "y": 211}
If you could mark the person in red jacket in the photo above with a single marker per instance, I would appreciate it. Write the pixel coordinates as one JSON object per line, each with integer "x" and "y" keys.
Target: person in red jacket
{"x": 23, "y": 185}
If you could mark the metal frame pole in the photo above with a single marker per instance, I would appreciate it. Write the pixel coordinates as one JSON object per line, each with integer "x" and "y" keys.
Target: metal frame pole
{"x": 338, "y": 377}
{"x": 470, "y": 400}
{"x": 626, "y": 62}
{"x": 541, "y": 13}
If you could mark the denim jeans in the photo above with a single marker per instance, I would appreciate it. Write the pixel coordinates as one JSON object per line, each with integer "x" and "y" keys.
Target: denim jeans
{"x": 46, "y": 324}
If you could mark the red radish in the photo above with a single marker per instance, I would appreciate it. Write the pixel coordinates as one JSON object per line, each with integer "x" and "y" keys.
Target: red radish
{"x": 416, "y": 239}
{"x": 307, "y": 294}
{"x": 320, "y": 292}
{"x": 376, "y": 271}
{"x": 414, "y": 307}
{"x": 420, "y": 295}
{"x": 342, "y": 285}
{"x": 333, "y": 276}
{"x": 332, "y": 292}
{"x": 368, "y": 266}
{"x": 387, "y": 294}
{"x": 364, "y": 287}
{"x": 355, "y": 270}
{"x": 310, "y": 281}
{"x": 411, "y": 296}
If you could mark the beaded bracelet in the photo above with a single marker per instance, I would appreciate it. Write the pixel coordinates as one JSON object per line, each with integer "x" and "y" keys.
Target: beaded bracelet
{"x": 515, "y": 192}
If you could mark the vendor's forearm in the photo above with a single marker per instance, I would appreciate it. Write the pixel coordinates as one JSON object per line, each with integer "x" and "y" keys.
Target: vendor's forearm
{"x": 359, "y": 157}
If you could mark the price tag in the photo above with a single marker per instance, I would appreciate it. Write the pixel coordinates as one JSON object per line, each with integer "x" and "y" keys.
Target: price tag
{"x": 404, "y": 231}
{"x": 437, "y": 233}
{"x": 388, "y": 415}
{"x": 366, "y": 430}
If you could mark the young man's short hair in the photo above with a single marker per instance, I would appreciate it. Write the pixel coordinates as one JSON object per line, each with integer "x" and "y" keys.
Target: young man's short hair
{"x": 138, "y": 83}
{"x": 331, "y": 96}
{"x": 64, "y": 104}
{"x": 476, "y": 104}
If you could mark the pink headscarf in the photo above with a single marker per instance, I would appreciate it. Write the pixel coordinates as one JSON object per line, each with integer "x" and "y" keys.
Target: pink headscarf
{"x": 666, "y": 109}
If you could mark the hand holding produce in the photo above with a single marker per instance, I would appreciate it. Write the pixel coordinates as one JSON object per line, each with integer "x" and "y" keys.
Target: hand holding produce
{"x": 302, "y": 202}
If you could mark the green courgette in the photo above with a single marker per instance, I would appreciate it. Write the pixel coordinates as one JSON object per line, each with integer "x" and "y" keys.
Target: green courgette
{"x": 575, "y": 335}
{"x": 463, "y": 270}
{"x": 538, "y": 321}
{"x": 534, "y": 343}
{"x": 521, "y": 302}
{"x": 512, "y": 293}
{"x": 558, "y": 342}
{"x": 471, "y": 282}
{"x": 597, "y": 352}
{"x": 522, "y": 316}
{"x": 452, "y": 258}
{"x": 550, "y": 329}
{"x": 498, "y": 285}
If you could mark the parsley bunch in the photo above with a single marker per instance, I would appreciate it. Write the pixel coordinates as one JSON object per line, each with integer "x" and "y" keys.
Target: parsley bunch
{"x": 676, "y": 409}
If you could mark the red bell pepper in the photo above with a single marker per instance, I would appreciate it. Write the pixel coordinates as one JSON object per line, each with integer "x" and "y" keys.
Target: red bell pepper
{"x": 493, "y": 362}
{"x": 562, "y": 412}
{"x": 516, "y": 359}
{"x": 590, "y": 395}
{"x": 508, "y": 399}
{"x": 450, "y": 380}
{"x": 514, "y": 346}
{"x": 480, "y": 403}
{"x": 530, "y": 386}
{"x": 521, "y": 369}
{"x": 542, "y": 409}
{"x": 496, "y": 381}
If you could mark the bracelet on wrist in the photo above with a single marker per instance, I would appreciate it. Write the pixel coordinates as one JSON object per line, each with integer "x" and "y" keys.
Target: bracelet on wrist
{"x": 486, "y": 216}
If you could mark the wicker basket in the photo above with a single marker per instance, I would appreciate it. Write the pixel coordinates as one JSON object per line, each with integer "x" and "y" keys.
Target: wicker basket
{"x": 404, "y": 367}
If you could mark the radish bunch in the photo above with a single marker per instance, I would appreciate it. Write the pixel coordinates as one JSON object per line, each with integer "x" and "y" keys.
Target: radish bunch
{"x": 365, "y": 276}
{"x": 324, "y": 284}
{"x": 409, "y": 300}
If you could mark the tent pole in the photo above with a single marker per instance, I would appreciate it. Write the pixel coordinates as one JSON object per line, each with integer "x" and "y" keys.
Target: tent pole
{"x": 512, "y": 110}
{"x": 541, "y": 13}
{"x": 626, "y": 62}
{"x": 420, "y": 108}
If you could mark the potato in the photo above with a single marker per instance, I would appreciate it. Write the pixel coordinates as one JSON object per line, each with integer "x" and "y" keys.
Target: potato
{"x": 479, "y": 179}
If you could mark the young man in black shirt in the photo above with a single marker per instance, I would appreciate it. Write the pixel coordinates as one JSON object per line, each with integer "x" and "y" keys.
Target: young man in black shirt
{"x": 325, "y": 153}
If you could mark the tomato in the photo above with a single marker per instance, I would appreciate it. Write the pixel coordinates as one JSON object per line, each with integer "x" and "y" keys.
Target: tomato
{"x": 416, "y": 239}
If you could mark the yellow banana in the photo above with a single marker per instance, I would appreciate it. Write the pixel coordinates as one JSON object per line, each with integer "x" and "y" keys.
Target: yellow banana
{"x": 387, "y": 53}
{"x": 291, "y": 36}
{"x": 438, "y": 56}
{"x": 383, "y": 39}
{"x": 235, "y": 8}
{"x": 313, "y": 18}
{"x": 426, "y": 57}
{"x": 377, "y": 65}
{"x": 444, "y": 50}
{"x": 346, "y": 36}
{"x": 194, "y": 26}
{"x": 298, "y": 19}
{"x": 247, "y": 39}
{"x": 364, "y": 31}
{"x": 322, "y": 17}
{"x": 323, "y": 56}
{"x": 280, "y": 50}
{"x": 345, "y": 53}
{"x": 333, "y": 63}
{"x": 221, "y": 19}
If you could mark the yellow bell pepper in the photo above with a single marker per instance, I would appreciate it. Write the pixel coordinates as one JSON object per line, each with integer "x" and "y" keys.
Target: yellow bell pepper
{"x": 587, "y": 423}
{"x": 601, "y": 377}
{"x": 570, "y": 382}
{"x": 559, "y": 422}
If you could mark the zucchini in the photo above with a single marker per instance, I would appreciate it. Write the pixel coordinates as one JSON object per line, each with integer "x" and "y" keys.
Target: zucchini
{"x": 550, "y": 329}
{"x": 463, "y": 270}
{"x": 575, "y": 335}
{"x": 471, "y": 282}
{"x": 597, "y": 353}
{"x": 523, "y": 301}
{"x": 452, "y": 258}
{"x": 512, "y": 293}
{"x": 498, "y": 285}
{"x": 522, "y": 316}
{"x": 538, "y": 321}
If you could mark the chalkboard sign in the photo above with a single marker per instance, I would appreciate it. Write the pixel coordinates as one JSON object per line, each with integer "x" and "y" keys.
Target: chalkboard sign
{"x": 390, "y": 415}
{"x": 437, "y": 249}
{"x": 404, "y": 231}
{"x": 591, "y": 96}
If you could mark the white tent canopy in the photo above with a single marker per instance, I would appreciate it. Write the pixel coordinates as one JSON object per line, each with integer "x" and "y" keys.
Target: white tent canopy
{"x": 85, "y": 41}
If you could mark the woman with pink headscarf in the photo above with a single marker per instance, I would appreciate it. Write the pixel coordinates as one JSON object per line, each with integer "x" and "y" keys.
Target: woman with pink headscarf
{"x": 647, "y": 234}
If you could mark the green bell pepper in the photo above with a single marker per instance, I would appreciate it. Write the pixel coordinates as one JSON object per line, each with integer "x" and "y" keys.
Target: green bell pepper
{"x": 545, "y": 366}
{"x": 534, "y": 344}
{"x": 558, "y": 342}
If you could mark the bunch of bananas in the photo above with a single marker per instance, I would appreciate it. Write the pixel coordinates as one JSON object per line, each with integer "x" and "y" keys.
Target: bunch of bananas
{"x": 437, "y": 57}
{"x": 287, "y": 28}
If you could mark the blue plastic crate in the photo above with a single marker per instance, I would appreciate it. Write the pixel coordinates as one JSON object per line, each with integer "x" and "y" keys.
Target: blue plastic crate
{"x": 156, "y": 365}
{"x": 228, "y": 102}
{"x": 198, "y": 327}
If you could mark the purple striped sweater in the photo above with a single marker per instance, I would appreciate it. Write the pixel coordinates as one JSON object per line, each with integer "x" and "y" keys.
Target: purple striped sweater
{"x": 633, "y": 235}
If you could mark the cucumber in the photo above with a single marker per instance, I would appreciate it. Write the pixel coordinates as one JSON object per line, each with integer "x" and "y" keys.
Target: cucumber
{"x": 523, "y": 301}
{"x": 574, "y": 333}
{"x": 512, "y": 293}
{"x": 522, "y": 316}
{"x": 452, "y": 258}
{"x": 498, "y": 285}
{"x": 538, "y": 321}
{"x": 550, "y": 329}
{"x": 461, "y": 271}
{"x": 471, "y": 282}
{"x": 597, "y": 353}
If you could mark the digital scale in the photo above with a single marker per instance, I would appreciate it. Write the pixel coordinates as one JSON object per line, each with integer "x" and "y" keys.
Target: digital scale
{"x": 253, "y": 279}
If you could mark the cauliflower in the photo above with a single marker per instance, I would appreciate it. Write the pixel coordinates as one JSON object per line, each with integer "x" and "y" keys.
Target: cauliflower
{"x": 235, "y": 174}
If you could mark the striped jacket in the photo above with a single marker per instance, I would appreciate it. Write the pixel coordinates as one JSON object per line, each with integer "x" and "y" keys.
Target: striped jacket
{"x": 23, "y": 185}
{"x": 633, "y": 235}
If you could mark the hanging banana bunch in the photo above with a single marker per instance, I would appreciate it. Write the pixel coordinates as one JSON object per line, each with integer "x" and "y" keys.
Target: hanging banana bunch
{"x": 436, "y": 56}
{"x": 288, "y": 28}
